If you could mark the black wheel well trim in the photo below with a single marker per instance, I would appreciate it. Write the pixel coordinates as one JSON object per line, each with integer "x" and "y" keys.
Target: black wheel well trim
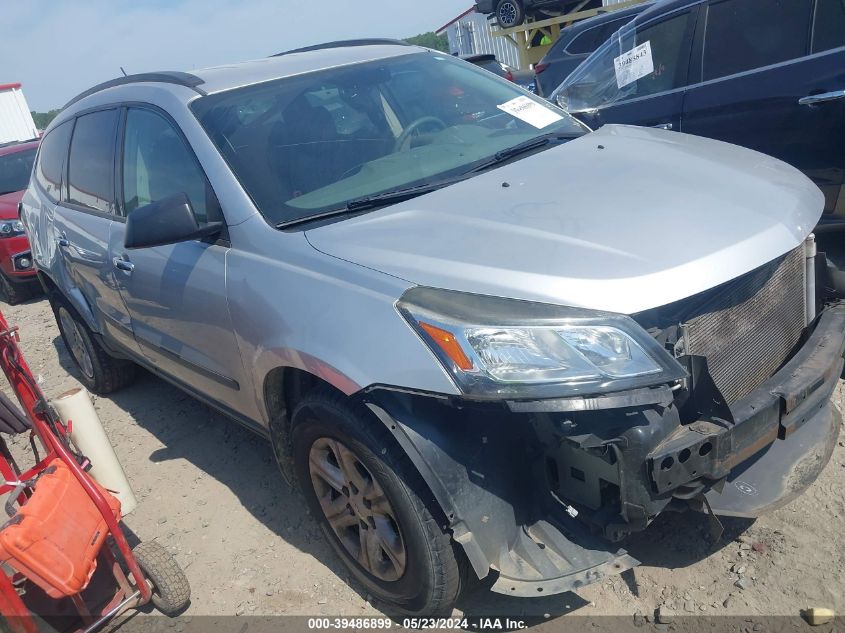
{"x": 460, "y": 531}
{"x": 47, "y": 283}
{"x": 285, "y": 385}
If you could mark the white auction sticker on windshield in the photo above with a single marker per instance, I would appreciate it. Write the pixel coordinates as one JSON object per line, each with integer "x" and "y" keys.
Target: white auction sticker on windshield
{"x": 528, "y": 110}
{"x": 635, "y": 64}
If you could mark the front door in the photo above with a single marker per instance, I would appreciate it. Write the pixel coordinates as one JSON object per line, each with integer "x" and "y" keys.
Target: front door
{"x": 773, "y": 80}
{"x": 646, "y": 70}
{"x": 176, "y": 294}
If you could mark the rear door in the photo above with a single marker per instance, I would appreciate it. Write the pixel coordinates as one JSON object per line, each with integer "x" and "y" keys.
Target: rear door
{"x": 654, "y": 99}
{"x": 83, "y": 225}
{"x": 176, "y": 294}
{"x": 771, "y": 76}
{"x": 39, "y": 202}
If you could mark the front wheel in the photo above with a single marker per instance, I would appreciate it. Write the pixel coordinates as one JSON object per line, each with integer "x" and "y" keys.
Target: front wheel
{"x": 372, "y": 506}
{"x": 509, "y": 13}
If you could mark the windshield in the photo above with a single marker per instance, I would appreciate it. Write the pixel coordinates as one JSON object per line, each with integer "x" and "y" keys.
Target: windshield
{"x": 15, "y": 170}
{"x": 633, "y": 63}
{"x": 304, "y": 145}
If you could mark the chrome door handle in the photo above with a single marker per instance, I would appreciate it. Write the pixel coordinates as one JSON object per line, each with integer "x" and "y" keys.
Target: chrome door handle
{"x": 822, "y": 98}
{"x": 663, "y": 126}
{"x": 122, "y": 264}
{"x": 63, "y": 242}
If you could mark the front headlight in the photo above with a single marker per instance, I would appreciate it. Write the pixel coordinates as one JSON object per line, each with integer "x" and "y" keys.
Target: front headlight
{"x": 504, "y": 347}
{"x": 10, "y": 228}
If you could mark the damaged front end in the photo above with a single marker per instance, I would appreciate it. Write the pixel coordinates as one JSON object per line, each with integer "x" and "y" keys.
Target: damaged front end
{"x": 537, "y": 488}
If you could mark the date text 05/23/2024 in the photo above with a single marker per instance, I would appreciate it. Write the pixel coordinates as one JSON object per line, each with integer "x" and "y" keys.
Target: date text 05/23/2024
{"x": 477, "y": 624}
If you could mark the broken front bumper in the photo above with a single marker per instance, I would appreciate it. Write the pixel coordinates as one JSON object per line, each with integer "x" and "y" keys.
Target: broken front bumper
{"x": 781, "y": 437}
{"x": 526, "y": 486}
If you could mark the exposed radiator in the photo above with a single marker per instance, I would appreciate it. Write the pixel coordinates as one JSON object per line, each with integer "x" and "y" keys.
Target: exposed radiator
{"x": 747, "y": 332}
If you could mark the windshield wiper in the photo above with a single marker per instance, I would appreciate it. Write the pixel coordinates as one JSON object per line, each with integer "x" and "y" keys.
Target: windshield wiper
{"x": 371, "y": 202}
{"x": 508, "y": 153}
{"x": 400, "y": 195}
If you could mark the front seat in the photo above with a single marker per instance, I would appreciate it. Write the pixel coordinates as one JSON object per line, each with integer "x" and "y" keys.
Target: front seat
{"x": 302, "y": 147}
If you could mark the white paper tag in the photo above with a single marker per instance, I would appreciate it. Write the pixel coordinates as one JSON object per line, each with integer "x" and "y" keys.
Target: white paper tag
{"x": 633, "y": 65}
{"x": 530, "y": 111}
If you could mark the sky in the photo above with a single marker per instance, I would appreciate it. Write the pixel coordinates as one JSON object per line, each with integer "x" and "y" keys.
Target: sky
{"x": 58, "y": 48}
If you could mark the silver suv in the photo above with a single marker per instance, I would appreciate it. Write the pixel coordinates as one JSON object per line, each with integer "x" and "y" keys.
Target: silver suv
{"x": 480, "y": 337}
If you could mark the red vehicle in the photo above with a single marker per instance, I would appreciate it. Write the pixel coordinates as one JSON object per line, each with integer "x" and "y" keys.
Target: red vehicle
{"x": 17, "y": 273}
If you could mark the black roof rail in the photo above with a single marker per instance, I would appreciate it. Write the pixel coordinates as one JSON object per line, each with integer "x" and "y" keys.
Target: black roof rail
{"x": 375, "y": 41}
{"x": 165, "y": 77}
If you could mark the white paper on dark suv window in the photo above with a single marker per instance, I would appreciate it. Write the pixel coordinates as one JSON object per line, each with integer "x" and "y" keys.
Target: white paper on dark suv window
{"x": 528, "y": 110}
{"x": 635, "y": 64}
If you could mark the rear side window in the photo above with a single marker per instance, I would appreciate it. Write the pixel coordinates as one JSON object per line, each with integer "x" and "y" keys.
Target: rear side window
{"x": 157, "y": 163}
{"x": 829, "y": 28}
{"x": 49, "y": 173}
{"x": 91, "y": 167}
{"x": 747, "y": 34}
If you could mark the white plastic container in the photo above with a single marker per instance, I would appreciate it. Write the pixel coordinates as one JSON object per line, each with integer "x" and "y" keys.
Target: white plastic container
{"x": 88, "y": 434}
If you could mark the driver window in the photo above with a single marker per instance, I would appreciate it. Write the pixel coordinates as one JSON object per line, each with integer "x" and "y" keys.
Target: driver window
{"x": 670, "y": 56}
{"x": 158, "y": 164}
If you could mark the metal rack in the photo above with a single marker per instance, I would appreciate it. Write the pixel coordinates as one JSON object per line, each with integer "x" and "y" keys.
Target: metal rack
{"x": 523, "y": 36}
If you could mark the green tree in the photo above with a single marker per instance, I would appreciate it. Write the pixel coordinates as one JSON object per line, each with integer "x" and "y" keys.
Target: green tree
{"x": 43, "y": 119}
{"x": 430, "y": 40}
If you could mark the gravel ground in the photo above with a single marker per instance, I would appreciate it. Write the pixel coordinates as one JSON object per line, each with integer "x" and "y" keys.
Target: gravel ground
{"x": 210, "y": 492}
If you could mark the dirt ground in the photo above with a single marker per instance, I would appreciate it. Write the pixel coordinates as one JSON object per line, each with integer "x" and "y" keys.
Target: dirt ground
{"x": 210, "y": 492}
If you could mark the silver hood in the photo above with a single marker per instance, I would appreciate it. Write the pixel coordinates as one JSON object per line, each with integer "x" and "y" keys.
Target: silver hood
{"x": 622, "y": 219}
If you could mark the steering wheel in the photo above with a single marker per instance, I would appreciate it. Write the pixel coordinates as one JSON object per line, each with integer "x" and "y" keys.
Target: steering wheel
{"x": 406, "y": 133}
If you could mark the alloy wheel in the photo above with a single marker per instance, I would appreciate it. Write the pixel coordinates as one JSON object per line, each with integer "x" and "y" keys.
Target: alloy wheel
{"x": 357, "y": 509}
{"x": 507, "y": 14}
{"x": 75, "y": 342}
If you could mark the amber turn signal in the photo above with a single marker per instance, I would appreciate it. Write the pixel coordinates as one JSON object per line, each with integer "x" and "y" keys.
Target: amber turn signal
{"x": 449, "y": 344}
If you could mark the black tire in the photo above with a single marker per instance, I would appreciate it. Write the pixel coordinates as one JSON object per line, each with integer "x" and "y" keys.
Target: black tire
{"x": 15, "y": 293}
{"x": 100, "y": 372}
{"x": 171, "y": 589}
{"x": 430, "y": 582}
{"x": 509, "y": 13}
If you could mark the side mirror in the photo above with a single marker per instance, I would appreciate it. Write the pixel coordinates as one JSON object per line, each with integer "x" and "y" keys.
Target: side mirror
{"x": 166, "y": 221}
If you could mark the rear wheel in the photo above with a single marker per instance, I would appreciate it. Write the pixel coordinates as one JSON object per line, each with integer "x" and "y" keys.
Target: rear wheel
{"x": 99, "y": 372}
{"x": 509, "y": 13}
{"x": 373, "y": 506}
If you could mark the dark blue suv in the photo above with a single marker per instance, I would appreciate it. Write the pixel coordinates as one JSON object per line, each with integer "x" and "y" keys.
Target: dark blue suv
{"x": 764, "y": 74}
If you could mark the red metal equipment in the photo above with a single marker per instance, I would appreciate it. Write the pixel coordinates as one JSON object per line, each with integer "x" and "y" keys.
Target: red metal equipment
{"x": 133, "y": 587}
